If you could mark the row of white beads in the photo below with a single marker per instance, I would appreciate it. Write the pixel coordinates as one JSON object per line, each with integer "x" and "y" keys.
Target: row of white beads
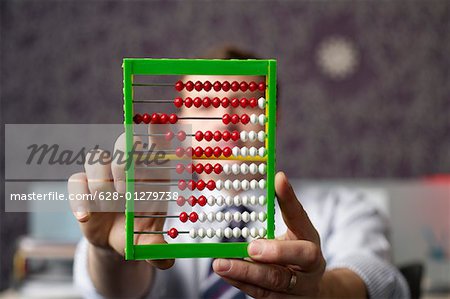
{"x": 228, "y": 232}
{"x": 252, "y": 136}
{"x": 244, "y": 168}
{"x": 238, "y": 185}
{"x": 245, "y": 151}
{"x": 229, "y": 216}
{"x": 258, "y": 119}
{"x": 236, "y": 200}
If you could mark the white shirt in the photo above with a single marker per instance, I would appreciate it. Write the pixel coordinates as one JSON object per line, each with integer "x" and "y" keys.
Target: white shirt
{"x": 353, "y": 235}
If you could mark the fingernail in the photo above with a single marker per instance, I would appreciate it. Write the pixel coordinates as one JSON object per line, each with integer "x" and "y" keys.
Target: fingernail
{"x": 222, "y": 265}
{"x": 81, "y": 215}
{"x": 255, "y": 248}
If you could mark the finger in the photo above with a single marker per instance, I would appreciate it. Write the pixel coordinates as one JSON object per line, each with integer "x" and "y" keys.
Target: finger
{"x": 294, "y": 215}
{"x": 258, "y": 292}
{"x": 119, "y": 162}
{"x": 78, "y": 185}
{"x": 305, "y": 254}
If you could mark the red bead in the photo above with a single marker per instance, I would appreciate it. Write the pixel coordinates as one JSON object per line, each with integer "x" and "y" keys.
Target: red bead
{"x": 173, "y": 118}
{"x": 218, "y": 167}
{"x": 243, "y": 86}
{"x": 181, "y": 200}
{"x": 188, "y": 102}
{"x": 208, "y": 168}
{"x": 190, "y": 168}
{"x": 235, "y": 103}
{"x": 189, "y": 86}
{"x": 235, "y": 136}
{"x": 234, "y": 118}
{"x": 163, "y": 118}
{"x": 179, "y": 168}
{"x": 181, "y": 184}
{"x": 217, "y": 152}
{"x": 208, "y": 151}
{"x": 179, "y": 86}
{"x": 146, "y": 118}
{"x": 217, "y": 135}
{"x": 226, "y": 151}
{"x": 226, "y": 135}
{"x": 207, "y": 86}
{"x": 192, "y": 200}
{"x": 193, "y": 217}
{"x": 173, "y": 233}
{"x": 202, "y": 201}
{"x": 216, "y": 102}
{"x": 198, "y": 86}
{"x": 226, "y": 118}
{"x": 198, "y": 102}
{"x": 179, "y": 152}
{"x": 181, "y": 135}
{"x": 178, "y": 102}
{"x": 199, "y": 168}
{"x": 184, "y": 217}
{"x": 235, "y": 86}
{"x": 262, "y": 86}
{"x": 245, "y": 119}
{"x": 154, "y": 119}
{"x": 217, "y": 86}
{"x": 191, "y": 184}
{"x": 211, "y": 185}
{"x": 226, "y": 86}
{"x": 189, "y": 151}
{"x": 244, "y": 102}
{"x": 198, "y": 151}
{"x": 253, "y": 102}
{"x": 199, "y": 136}
{"x": 137, "y": 118}
{"x": 208, "y": 135}
{"x": 252, "y": 86}
{"x": 225, "y": 102}
{"x": 201, "y": 185}
{"x": 206, "y": 102}
{"x": 169, "y": 135}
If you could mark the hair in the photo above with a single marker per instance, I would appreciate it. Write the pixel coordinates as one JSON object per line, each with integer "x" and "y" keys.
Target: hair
{"x": 228, "y": 52}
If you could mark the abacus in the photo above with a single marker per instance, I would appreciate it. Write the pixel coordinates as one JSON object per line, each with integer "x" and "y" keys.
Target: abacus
{"x": 228, "y": 161}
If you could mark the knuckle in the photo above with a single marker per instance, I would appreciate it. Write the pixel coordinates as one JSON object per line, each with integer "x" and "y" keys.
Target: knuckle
{"x": 312, "y": 254}
{"x": 262, "y": 293}
{"x": 275, "y": 250}
{"x": 276, "y": 278}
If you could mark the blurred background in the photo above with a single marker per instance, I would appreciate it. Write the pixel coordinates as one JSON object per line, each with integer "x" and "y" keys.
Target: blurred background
{"x": 364, "y": 98}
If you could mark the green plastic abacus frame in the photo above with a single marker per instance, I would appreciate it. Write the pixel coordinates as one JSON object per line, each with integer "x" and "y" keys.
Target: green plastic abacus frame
{"x": 147, "y": 66}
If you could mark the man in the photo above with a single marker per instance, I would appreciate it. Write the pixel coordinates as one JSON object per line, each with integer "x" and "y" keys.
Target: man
{"x": 337, "y": 249}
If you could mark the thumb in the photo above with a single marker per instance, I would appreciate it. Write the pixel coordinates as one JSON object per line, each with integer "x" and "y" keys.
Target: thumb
{"x": 294, "y": 215}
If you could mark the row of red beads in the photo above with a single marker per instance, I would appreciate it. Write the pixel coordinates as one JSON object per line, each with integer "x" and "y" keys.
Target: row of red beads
{"x": 217, "y": 86}
{"x": 199, "y": 168}
{"x": 184, "y": 217}
{"x": 207, "y": 135}
{"x": 199, "y": 185}
{"x": 155, "y": 118}
{"x": 207, "y": 151}
{"x": 215, "y": 102}
{"x": 192, "y": 200}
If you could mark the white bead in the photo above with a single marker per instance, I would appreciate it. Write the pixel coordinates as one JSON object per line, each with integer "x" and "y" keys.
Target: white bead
{"x": 246, "y": 216}
{"x": 228, "y": 216}
{"x": 237, "y": 200}
{"x": 244, "y": 151}
{"x": 253, "y": 232}
{"x": 253, "y": 184}
{"x": 252, "y": 151}
{"x": 261, "y": 136}
{"x": 262, "y": 119}
{"x": 228, "y": 232}
{"x": 262, "y": 216}
{"x": 253, "y": 119}
{"x": 228, "y": 200}
{"x": 262, "y": 184}
{"x": 236, "y": 185}
{"x": 245, "y": 200}
{"x": 253, "y": 216}
{"x": 262, "y": 168}
{"x": 262, "y": 200}
{"x": 211, "y": 216}
{"x": 211, "y": 200}
{"x": 262, "y": 232}
{"x": 201, "y": 232}
{"x": 227, "y": 185}
{"x": 193, "y": 233}
{"x": 220, "y": 216}
{"x": 219, "y": 184}
{"x": 219, "y": 233}
{"x": 202, "y": 217}
{"x": 253, "y": 168}
{"x": 244, "y": 136}
{"x": 227, "y": 168}
{"x": 261, "y": 103}
{"x": 245, "y": 232}
{"x": 219, "y": 200}
{"x": 244, "y": 168}
{"x": 236, "y": 232}
{"x": 252, "y": 136}
{"x": 235, "y": 169}
{"x": 262, "y": 151}
{"x": 237, "y": 216}
{"x": 210, "y": 232}
{"x": 245, "y": 184}
{"x": 253, "y": 200}
{"x": 235, "y": 151}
